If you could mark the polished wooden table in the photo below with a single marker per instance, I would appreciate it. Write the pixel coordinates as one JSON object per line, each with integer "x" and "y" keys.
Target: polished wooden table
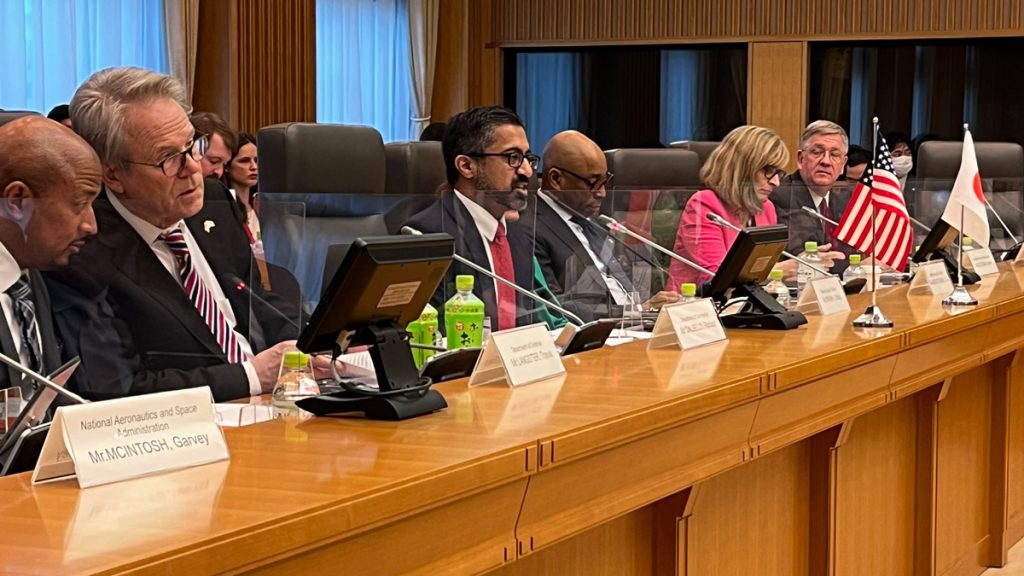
{"x": 821, "y": 450}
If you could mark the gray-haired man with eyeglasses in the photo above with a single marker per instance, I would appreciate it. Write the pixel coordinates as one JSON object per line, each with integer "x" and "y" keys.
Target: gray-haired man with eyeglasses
{"x": 820, "y": 162}
{"x": 154, "y": 302}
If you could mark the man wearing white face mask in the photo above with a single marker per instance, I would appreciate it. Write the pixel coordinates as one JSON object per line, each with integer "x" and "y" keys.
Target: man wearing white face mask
{"x": 902, "y": 159}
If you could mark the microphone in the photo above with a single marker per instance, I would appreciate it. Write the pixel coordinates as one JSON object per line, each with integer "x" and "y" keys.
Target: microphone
{"x": 46, "y": 382}
{"x": 919, "y": 224}
{"x": 241, "y": 286}
{"x": 1003, "y": 224}
{"x": 818, "y": 215}
{"x": 605, "y": 231}
{"x": 615, "y": 226}
{"x": 723, "y": 222}
{"x": 410, "y": 231}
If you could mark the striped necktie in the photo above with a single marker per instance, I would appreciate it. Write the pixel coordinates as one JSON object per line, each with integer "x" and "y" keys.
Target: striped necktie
{"x": 202, "y": 298}
{"x": 25, "y": 313}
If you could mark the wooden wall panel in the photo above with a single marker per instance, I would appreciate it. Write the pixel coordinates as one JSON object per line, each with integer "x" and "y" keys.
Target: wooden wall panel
{"x": 777, "y": 89}
{"x": 450, "y": 75}
{"x": 276, "y": 62}
{"x": 216, "y": 80}
{"x": 659, "y": 21}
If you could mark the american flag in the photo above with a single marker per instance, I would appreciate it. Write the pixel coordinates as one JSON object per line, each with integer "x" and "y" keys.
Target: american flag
{"x": 893, "y": 235}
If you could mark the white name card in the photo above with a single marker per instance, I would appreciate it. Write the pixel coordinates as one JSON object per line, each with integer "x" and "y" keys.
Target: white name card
{"x": 1019, "y": 259}
{"x": 518, "y": 356}
{"x": 688, "y": 325}
{"x": 982, "y": 261}
{"x": 823, "y": 295}
{"x": 932, "y": 277}
{"x": 114, "y": 440}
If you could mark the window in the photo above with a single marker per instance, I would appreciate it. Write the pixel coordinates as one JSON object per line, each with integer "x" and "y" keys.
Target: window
{"x": 49, "y": 48}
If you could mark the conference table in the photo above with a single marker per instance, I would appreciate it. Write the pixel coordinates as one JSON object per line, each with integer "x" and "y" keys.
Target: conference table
{"x": 821, "y": 450}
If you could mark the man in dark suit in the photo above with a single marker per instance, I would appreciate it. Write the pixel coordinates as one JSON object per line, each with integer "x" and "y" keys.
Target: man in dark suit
{"x": 154, "y": 302}
{"x": 48, "y": 180}
{"x": 489, "y": 164}
{"x": 820, "y": 162}
{"x": 574, "y": 253}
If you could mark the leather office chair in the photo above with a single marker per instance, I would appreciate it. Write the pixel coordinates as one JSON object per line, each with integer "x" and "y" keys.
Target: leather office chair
{"x": 1001, "y": 165}
{"x": 703, "y": 148}
{"x": 8, "y": 115}
{"x": 415, "y": 170}
{"x": 320, "y": 184}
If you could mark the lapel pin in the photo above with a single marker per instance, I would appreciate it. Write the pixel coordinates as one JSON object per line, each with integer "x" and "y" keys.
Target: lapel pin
{"x": 208, "y": 225}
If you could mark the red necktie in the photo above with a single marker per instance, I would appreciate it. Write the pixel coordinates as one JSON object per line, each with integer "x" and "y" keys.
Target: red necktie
{"x": 501, "y": 254}
{"x": 827, "y": 228}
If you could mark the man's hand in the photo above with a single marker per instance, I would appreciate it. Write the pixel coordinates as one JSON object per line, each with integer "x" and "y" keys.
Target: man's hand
{"x": 661, "y": 299}
{"x": 828, "y": 256}
{"x": 268, "y": 364}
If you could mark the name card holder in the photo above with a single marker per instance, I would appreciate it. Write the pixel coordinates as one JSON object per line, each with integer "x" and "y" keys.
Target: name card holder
{"x": 931, "y": 278}
{"x": 982, "y": 261}
{"x": 1018, "y": 260}
{"x": 824, "y": 295}
{"x": 687, "y": 325}
{"x": 518, "y": 356}
{"x": 114, "y": 440}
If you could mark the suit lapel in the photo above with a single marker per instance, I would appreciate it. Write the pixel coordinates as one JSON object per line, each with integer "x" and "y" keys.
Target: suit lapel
{"x": 44, "y": 319}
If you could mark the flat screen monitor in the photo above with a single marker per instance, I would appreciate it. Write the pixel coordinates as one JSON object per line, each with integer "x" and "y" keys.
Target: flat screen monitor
{"x": 750, "y": 259}
{"x": 939, "y": 238}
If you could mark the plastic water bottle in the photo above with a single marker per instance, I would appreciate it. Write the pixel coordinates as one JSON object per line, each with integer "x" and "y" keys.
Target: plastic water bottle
{"x": 464, "y": 316}
{"x": 966, "y": 247}
{"x": 295, "y": 380}
{"x": 687, "y": 292}
{"x": 423, "y": 330}
{"x": 856, "y": 271}
{"x": 804, "y": 273}
{"x": 777, "y": 288}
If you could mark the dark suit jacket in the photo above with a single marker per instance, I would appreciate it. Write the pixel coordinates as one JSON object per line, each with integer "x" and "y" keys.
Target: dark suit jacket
{"x": 51, "y": 346}
{"x": 135, "y": 328}
{"x": 447, "y": 214}
{"x": 789, "y": 200}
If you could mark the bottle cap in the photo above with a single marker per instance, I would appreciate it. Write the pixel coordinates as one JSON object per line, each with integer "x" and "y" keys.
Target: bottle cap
{"x": 854, "y": 259}
{"x": 810, "y": 246}
{"x": 776, "y": 274}
{"x": 464, "y": 282}
{"x": 295, "y": 360}
{"x": 688, "y": 289}
{"x": 968, "y": 240}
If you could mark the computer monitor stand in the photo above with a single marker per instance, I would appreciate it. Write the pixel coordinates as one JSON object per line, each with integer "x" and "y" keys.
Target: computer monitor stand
{"x": 766, "y": 311}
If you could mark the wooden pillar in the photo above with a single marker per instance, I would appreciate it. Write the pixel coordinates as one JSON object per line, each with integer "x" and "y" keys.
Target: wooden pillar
{"x": 777, "y": 89}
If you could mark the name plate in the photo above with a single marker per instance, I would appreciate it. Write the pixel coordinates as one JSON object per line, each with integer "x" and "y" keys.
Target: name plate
{"x": 932, "y": 277}
{"x": 823, "y": 295}
{"x": 983, "y": 262}
{"x": 114, "y": 440}
{"x": 688, "y": 325}
{"x": 1019, "y": 259}
{"x": 518, "y": 356}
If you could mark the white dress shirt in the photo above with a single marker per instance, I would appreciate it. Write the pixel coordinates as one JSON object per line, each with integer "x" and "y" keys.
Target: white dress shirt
{"x": 150, "y": 234}
{"x": 9, "y": 274}
{"x": 488, "y": 228}
{"x": 617, "y": 290}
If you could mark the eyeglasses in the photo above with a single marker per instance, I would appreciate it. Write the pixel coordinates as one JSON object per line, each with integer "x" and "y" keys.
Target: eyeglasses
{"x": 817, "y": 153}
{"x": 173, "y": 164}
{"x": 592, "y": 183}
{"x": 514, "y": 158}
{"x": 770, "y": 172}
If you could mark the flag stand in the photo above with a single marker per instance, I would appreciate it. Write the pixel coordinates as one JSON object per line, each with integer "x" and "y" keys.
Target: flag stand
{"x": 960, "y": 296}
{"x": 873, "y": 317}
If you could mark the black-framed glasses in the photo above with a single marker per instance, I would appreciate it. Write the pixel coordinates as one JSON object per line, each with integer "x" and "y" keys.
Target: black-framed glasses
{"x": 592, "y": 183}
{"x": 770, "y": 172}
{"x": 173, "y": 164}
{"x": 514, "y": 158}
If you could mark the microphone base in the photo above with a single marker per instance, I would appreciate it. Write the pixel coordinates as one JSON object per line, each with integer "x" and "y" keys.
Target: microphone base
{"x": 398, "y": 407}
{"x": 768, "y": 321}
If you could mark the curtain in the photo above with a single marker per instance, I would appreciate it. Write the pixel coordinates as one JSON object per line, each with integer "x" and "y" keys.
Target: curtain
{"x": 49, "y": 47}
{"x": 422, "y": 56}
{"x": 680, "y": 93}
{"x": 548, "y": 94}
{"x": 182, "y": 18}
{"x": 362, "y": 65}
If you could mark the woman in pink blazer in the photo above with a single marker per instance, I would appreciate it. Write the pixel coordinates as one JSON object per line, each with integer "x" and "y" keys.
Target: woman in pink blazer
{"x": 740, "y": 174}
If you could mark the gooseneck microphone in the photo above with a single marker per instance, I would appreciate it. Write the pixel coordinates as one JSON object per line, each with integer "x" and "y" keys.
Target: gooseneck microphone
{"x": 242, "y": 287}
{"x": 725, "y": 223}
{"x": 819, "y": 216}
{"x": 46, "y": 382}
{"x": 576, "y": 320}
{"x": 615, "y": 226}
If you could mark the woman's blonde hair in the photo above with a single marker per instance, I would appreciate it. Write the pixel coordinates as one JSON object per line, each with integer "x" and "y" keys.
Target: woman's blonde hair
{"x": 731, "y": 168}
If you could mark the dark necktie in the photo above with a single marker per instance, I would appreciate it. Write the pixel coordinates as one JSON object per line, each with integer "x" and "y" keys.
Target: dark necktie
{"x": 826, "y": 227}
{"x": 501, "y": 254}
{"x": 202, "y": 298}
{"x": 25, "y": 313}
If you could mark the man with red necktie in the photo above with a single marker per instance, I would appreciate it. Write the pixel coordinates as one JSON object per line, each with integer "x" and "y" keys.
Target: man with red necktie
{"x": 489, "y": 164}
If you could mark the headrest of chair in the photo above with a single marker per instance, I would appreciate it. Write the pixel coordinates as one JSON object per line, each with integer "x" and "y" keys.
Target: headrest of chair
{"x": 414, "y": 167}
{"x": 8, "y": 115}
{"x": 654, "y": 167}
{"x": 995, "y": 159}
{"x": 303, "y": 158}
{"x": 703, "y": 148}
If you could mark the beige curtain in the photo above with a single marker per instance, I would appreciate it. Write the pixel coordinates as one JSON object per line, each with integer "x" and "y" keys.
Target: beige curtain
{"x": 422, "y": 56}
{"x": 182, "y": 18}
